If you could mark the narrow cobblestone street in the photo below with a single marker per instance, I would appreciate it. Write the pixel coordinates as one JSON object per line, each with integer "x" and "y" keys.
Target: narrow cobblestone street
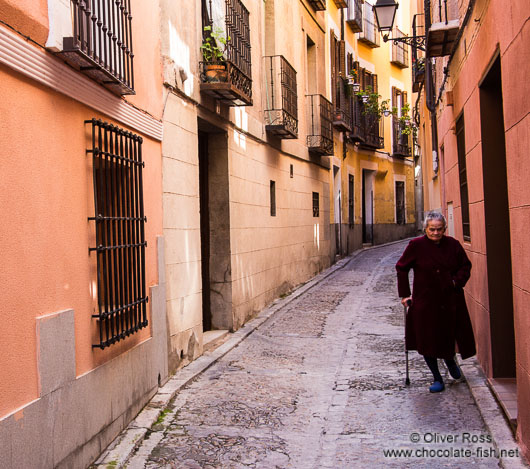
{"x": 321, "y": 385}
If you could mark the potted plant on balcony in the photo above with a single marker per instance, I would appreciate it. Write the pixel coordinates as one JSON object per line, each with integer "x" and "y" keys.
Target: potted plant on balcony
{"x": 353, "y": 85}
{"x": 213, "y": 51}
{"x": 371, "y": 103}
{"x": 419, "y": 70}
{"x": 405, "y": 122}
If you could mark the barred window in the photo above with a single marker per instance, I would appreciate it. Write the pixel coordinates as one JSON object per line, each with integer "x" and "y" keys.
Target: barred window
{"x": 316, "y": 205}
{"x": 120, "y": 237}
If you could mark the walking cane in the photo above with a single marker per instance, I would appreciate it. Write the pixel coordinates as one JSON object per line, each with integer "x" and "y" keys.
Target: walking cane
{"x": 405, "y": 307}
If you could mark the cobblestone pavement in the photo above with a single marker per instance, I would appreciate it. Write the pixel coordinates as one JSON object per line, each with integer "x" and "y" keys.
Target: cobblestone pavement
{"x": 321, "y": 385}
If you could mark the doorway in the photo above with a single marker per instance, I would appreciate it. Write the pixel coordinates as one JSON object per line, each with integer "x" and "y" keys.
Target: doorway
{"x": 214, "y": 203}
{"x": 337, "y": 209}
{"x": 368, "y": 206}
{"x": 497, "y": 221}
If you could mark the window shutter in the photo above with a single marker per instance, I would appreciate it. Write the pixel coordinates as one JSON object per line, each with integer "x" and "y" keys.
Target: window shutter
{"x": 404, "y": 97}
{"x": 374, "y": 83}
{"x": 342, "y": 58}
{"x": 394, "y": 97}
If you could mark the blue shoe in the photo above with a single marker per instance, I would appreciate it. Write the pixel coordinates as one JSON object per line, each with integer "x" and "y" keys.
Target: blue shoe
{"x": 437, "y": 386}
{"x": 454, "y": 371}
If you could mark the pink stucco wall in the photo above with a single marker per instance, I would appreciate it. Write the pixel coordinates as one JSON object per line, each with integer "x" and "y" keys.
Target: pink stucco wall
{"x": 505, "y": 27}
{"x": 46, "y": 198}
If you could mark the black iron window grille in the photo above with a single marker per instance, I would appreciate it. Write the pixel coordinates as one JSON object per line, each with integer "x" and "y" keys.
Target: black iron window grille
{"x": 273, "y": 198}
{"x": 320, "y": 115}
{"x": 370, "y": 33}
{"x": 462, "y": 172}
{"x": 400, "y": 141}
{"x": 120, "y": 237}
{"x": 281, "y": 106}
{"x": 316, "y": 205}
{"x": 101, "y": 45}
{"x": 400, "y": 51}
{"x": 234, "y": 85}
{"x": 354, "y": 15}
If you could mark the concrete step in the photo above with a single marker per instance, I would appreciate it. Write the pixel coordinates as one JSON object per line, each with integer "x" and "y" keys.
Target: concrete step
{"x": 213, "y": 339}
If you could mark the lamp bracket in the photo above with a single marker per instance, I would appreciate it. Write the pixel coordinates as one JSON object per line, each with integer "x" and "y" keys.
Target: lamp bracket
{"x": 413, "y": 41}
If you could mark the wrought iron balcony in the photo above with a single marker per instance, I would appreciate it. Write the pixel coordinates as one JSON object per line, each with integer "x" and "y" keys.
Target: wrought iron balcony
{"x": 367, "y": 127}
{"x": 342, "y": 107}
{"x": 443, "y": 30}
{"x": 318, "y": 5}
{"x": 320, "y": 134}
{"x": 370, "y": 33}
{"x": 354, "y": 15}
{"x": 418, "y": 74}
{"x": 101, "y": 45}
{"x": 400, "y": 51}
{"x": 281, "y": 106}
{"x": 234, "y": 86}
{"x": 400, "y": 141}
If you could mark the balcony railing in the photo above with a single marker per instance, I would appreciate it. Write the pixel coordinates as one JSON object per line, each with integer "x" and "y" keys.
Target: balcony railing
{"x": 235, "y": 86}
{"x": 367, "y": 128}
{"x": 400, "y": 51}
{"x": 354, "y": 15}
{"x": 370, "y": 33}
{"x": 400, "y": 141}
{"x": 281, "y": 106}
{"x": 444, "y": 28}
{"x": 342, "y": 107}
{"x": 101, "y": 44}
{"x": 320, "y": 134}
{"x": 318, "y": 5}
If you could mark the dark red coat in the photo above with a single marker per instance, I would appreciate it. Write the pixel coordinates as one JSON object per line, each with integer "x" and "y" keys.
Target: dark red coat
{"x": 438, "y": 316}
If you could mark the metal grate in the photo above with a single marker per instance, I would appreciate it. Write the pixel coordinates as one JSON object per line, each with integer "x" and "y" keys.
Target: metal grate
{"x": 400, "y": 141}
{"x": 281, "y": 113}
{"x": 120, "y": 237}
{"x": 316, "y": 205}
{"x": 320, "y": 115}
{"x": 101, "y": 46}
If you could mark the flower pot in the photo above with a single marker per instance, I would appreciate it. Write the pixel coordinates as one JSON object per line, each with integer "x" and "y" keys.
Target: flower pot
{"x": 215, "y": 73}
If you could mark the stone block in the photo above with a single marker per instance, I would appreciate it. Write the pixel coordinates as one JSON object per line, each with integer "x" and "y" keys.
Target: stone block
{"x": 182, "y": 245}
{"x": 180, "y": 144}
{"x": 180, "y": 212}
{"x": 183, "y": 279}
{"x": 56, "y": 350}
{"x": 179, "y": 177}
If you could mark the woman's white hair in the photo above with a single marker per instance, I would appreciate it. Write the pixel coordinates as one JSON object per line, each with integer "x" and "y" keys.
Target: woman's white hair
{"x": 434, "y": 216}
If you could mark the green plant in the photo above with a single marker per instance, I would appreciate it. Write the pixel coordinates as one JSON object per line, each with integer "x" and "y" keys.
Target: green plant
{"x": 371, "y": 102}
{"x": 406, "y": 124}
{"x": 214, "y": 46}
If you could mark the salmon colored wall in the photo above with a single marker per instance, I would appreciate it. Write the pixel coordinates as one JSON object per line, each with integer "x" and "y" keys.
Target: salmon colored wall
{"x": 147, "y": 59}
{"x": 29, "y": 17}
{"x": 503, "y": 27}
{"x": 45, "y": 232}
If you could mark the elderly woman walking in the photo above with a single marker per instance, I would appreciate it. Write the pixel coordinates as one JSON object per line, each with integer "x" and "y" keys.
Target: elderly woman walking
{"x": 437, "y": 316}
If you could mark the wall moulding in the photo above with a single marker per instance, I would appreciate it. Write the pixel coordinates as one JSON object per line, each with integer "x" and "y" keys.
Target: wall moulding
{"x": 39, "y": 65}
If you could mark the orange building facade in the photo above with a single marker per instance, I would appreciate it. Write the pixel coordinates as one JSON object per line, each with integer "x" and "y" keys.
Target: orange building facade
{"x": 478, "y": 178}
{"x": 84, "y": 342}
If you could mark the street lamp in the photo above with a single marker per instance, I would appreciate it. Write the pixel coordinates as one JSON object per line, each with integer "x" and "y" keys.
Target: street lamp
{"x": 385, "y": 13}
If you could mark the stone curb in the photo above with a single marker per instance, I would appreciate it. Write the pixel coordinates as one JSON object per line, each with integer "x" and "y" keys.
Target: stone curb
{"x": 122, "y": 448}
{"x": 492, "y": 414}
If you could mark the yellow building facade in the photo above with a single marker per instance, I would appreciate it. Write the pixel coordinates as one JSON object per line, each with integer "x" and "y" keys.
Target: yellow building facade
{"x": 372, "y": 170}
